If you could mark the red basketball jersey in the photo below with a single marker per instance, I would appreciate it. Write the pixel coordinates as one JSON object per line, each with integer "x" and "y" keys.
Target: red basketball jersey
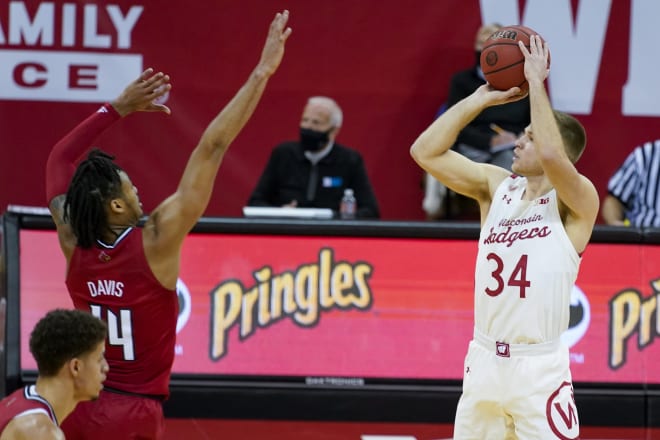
{"x": 22, "y": 402}
{"x": 116, "y": 284}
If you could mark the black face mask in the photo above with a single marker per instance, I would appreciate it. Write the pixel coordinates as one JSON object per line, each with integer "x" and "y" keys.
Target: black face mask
{"x": 312, "y": 140}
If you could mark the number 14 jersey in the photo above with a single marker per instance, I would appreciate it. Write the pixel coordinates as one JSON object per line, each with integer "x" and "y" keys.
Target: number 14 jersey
{"x": 526, "y": 268}
{"x": 115, "y": 283}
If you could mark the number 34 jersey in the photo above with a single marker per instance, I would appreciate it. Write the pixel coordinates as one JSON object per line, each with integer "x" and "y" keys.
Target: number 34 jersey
{"x": 115, "y": 283}
{"x": 526, "y": 268}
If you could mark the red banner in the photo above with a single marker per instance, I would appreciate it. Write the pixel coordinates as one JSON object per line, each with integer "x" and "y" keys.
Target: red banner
{"x": 344, "y": 309}
{"x": 59, "y": 59}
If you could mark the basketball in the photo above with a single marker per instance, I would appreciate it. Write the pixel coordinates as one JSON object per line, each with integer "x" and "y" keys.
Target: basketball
{"x": 501, "y": 59}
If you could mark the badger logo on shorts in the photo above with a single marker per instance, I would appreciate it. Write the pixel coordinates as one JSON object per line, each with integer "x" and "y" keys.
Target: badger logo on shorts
{"x": 502, "y": 349}
{"x": 562, "y": 413}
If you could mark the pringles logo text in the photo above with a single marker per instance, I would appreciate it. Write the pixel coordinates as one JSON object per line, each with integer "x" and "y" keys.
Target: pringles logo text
{"x": 300, "y": 295}
{"x": 630, "y": 315}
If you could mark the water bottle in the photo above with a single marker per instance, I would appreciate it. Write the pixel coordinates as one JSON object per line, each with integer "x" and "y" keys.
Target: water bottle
{"x": 348, "y": 205}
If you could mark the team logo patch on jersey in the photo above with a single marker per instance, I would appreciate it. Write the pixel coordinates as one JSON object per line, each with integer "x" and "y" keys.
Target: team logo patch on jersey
{"x": 104, "y": 257}
{"x": 562, "y": 413}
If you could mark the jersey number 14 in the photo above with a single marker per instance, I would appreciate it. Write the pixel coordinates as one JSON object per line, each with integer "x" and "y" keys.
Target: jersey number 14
{"x": 120, "y": 330}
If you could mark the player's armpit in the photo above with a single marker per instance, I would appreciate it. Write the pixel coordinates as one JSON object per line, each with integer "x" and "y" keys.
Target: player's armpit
{"x": 57, "y": 209}
{"x": 65, "y": 233}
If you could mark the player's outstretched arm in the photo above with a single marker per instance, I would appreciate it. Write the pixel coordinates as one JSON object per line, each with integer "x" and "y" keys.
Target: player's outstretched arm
{"x": 575, "y": 191}
{"x": 432, "y": 149}
{"x": 173, "y": 219}
{"x": 139, "y": 95}
{"x": 613, "y": 211}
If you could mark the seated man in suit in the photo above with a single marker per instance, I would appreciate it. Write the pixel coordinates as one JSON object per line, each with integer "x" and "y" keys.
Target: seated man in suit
{"x": 314, "y": 170}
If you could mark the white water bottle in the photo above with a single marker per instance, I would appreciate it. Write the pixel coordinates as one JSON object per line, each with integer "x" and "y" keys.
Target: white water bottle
{"x": 348, "y": 205}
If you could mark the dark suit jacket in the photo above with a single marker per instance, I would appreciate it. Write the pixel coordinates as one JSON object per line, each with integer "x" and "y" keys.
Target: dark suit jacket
{"x": 287, "y": 175}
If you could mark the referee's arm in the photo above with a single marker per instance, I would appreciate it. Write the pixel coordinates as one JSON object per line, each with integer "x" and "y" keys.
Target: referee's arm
{"x": 613, "y": 211}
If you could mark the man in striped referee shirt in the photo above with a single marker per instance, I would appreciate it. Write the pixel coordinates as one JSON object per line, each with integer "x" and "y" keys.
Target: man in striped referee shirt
{"x": 634, "y": 190}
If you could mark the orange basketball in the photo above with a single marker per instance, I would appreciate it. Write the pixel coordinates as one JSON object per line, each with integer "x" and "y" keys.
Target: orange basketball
{"x": 501, "y": 59}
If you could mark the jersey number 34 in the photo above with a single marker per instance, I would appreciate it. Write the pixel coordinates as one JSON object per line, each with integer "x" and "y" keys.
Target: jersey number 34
{"x": 517, "y": 277}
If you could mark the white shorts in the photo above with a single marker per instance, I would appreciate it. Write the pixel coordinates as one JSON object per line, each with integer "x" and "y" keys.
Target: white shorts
{"x": 516, "y": 391}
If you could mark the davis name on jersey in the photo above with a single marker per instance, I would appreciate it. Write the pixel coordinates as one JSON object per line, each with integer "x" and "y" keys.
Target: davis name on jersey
{"x": 105, "y": 287}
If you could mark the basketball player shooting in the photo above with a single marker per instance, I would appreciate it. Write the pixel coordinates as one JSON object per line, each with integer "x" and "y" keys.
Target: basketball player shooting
{"x": 535, "y": 224}
{"x": 137, "y": 268}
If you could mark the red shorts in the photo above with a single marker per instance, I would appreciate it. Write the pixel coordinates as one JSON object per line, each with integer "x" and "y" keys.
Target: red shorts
{"x": 116, "y": 416}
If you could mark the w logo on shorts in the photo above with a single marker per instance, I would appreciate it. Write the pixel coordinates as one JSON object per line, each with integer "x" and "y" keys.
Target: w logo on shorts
{"x": 502, "y": 349}
{"x": 562, "y": 413}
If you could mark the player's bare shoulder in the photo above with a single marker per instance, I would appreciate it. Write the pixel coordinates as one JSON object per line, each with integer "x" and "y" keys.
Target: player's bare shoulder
{"x": 579, "y": 223}
{"x": 164, "y": 228}
{"x": 587, "y": 210}
{"x": 32, "y": 427}
{"x": 495, "y": 176}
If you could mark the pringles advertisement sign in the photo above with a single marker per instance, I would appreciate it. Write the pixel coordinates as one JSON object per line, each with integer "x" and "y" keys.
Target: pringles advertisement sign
{"x": 354, "y": 308}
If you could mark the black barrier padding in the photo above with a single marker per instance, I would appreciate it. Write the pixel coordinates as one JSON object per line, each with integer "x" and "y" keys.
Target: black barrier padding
{"x": 653, "y": 415}
{"x": 596, "y": 407}
{"x": 367, "y": 228}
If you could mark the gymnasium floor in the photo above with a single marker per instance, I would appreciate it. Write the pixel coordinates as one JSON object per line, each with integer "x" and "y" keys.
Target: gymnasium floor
{"x": 209, "y": 429}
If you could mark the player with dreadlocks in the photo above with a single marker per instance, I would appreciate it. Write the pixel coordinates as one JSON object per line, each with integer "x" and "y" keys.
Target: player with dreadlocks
{"x": 95, "y": 182}
{"x": 127, "y": 275}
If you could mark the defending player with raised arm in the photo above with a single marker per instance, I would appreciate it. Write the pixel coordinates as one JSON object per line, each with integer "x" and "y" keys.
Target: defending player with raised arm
{"x": 535, "y": 224}
{"x": 96, "y": 215}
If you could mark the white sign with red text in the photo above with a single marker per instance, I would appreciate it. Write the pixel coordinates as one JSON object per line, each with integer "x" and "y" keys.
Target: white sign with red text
{"x": 57, "y": 52}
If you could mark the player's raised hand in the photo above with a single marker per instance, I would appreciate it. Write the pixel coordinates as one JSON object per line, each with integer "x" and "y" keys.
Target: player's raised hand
{"x": 536, "y": 59}
{"x": 143, "y": 93}
{"x": 273, "y": 50}
{"x": 489, "y": 96}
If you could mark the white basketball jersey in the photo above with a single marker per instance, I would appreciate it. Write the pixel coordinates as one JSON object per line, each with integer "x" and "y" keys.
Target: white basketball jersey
{"x": 526, "y": 268}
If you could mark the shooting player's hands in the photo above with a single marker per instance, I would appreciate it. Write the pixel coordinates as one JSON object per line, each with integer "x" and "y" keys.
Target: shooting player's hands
{"x": 536, "y": 59}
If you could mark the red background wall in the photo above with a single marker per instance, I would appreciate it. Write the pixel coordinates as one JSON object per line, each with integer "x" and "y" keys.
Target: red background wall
{"x": 387, "y": 63}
